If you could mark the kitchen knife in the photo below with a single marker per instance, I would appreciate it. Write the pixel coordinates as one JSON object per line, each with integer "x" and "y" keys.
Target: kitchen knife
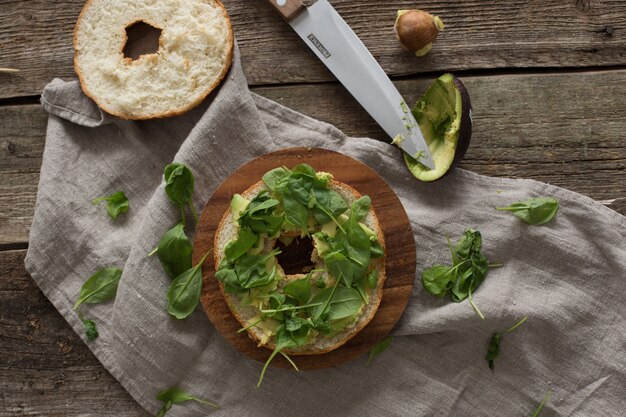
{"x": 338, "y": 47}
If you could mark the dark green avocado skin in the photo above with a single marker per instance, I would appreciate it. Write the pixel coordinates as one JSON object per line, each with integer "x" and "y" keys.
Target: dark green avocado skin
{"x": 465, "y": 131}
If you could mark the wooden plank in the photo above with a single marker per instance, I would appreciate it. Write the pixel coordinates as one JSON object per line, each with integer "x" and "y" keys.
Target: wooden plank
{"x": 564, "y": 129}
{"x": 36, "y": 37}
{"x": 45, "y": 369}
{"x": 22, "y": 138}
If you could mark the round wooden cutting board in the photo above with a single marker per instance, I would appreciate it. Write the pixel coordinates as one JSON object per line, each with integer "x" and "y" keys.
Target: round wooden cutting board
{"x": 400, "y": 252}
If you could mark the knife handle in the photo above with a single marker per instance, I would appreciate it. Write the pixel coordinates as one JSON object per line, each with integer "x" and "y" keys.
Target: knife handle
{"x": 288, "y": 9}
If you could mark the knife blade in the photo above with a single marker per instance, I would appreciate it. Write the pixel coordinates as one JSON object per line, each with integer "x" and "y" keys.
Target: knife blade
{"x": 337, "y": 46}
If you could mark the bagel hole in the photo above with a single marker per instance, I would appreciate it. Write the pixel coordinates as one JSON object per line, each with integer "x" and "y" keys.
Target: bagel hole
{"x": 141, "y": 39}
{"x": 295, "y": 258}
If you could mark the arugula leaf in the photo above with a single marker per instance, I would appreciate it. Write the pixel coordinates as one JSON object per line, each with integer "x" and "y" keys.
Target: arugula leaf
{"x": 468, "y": 245}
{"x": 229, "y": 277}
{"x": 326, "y": 204}
{"x": 296, "y": 213}
{"x": 100, "y": 287}
{"x": 379, "y": 348}
{"x": 377, "y": 250}
{"x": 299, "y": 187}
{"x": 252, "y": 272}
{"x": 356, "y": 242}
{"x": 91, "y": 330}
{"x": 361, "y": 207}
{"x": 174, "y": 251}
{"x": 176, "y": 395}
{"x": 259, "y": 216}
{"x": 282, "y": 342}
{"x": 305, "y": 169}
{"x": 295, "y": 331}
{"x": 493, "y": 349}
{"x": 320, "y": 283}
{"x": 278, "y": 301}
{"x": 237, "y": 248}
{"x": 340, "y": 267}
{"x": 293, "y": 323}
{"x": 179, "y": 185}
{"x": 372, "y": 278}
{"x": 360, "y": 284}
{"x": 463, "y": 278}
{"x": 274, "y": 177}
{"x": 469, "y": 277}
{"x": 261, "y": 202}
{"x": 184, "y": 293}
{"x": 337, "y": 303}
{"x": 299, "y": 289}
{"x": 329, "y": 305}
{"x": 439, "y": 279}
{"x": 534, "y": 211}
{"x": 247, "y": 272}
{"x": 546, "y": 398}
{"x": 116, "y": 203}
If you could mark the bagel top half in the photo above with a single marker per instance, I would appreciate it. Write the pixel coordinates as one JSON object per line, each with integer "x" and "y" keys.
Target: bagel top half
{"x": 195, "y": 52}
{"x": 244, "y": 305}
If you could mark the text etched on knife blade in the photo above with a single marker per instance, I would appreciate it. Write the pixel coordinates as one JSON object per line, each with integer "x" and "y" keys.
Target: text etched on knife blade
{"x": 319, "y": 45}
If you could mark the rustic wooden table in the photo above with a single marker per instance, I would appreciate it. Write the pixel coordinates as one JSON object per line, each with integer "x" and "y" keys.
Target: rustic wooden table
{"x": 547, "y": 81}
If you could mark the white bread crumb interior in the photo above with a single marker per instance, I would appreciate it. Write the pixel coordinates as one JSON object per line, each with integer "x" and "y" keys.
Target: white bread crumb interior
{"x": 194, "y": 54}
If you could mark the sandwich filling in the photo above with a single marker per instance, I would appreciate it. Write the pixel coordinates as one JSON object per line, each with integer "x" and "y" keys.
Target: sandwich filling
{"x": 292, "y": 311}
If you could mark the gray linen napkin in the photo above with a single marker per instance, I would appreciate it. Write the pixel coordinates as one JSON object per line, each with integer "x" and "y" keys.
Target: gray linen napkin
{"x": 567, "y": 276}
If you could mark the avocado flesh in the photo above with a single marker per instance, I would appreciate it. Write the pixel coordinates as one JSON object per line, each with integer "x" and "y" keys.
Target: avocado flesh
{"x": 438, "y": 114}
{"x": 238, "y": 205}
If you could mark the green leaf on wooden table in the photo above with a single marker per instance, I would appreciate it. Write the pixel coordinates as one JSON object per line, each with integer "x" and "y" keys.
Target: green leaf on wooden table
{"x": 100, "y": 287}
{"x": 174, "y": 251}
{"x": 493, "y": 349}
{"x": 184, "y": 293}
{"x": 116, "y": 203}
{"x": 179, "y": 185}
{"x": 546, "y": 398}
{"x": 535, "y": 211}
{"x": 91, "y": 331}
{"x": 176, "y": 395}
{"x": 379, "y": 348}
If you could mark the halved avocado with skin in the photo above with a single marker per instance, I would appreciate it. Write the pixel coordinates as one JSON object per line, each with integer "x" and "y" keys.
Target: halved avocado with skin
{"x": 444, "y": 114}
